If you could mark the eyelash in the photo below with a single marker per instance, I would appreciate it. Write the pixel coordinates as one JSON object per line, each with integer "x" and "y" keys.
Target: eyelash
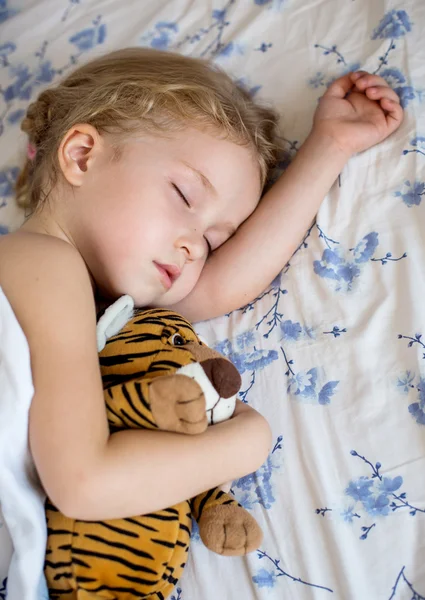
{"x": 209, "y": 246}
{"x": 182, "y": 196}
{"x": 185, "y": 200}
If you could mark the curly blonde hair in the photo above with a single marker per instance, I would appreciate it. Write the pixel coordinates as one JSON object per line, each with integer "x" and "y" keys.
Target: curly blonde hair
{"x": 140, "y": 89}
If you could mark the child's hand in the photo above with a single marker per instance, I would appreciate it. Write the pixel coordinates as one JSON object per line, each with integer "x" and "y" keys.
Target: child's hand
{"x": 358, "y": 111}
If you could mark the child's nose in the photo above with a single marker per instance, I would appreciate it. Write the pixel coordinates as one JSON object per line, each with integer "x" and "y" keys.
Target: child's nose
{"x": 193, "y": 245}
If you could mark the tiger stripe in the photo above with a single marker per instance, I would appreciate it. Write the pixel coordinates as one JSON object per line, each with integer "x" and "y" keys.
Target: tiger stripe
{"x": 141, "y": 556}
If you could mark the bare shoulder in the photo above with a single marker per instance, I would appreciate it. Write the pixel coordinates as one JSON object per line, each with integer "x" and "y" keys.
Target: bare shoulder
{"x": 42, "y": 275}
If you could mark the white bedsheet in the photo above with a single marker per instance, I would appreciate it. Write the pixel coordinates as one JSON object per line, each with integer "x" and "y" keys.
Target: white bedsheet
{"x": 332, "y": 353}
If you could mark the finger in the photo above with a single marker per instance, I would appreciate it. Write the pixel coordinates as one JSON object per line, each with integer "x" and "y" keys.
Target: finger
{"x": 354, "y": 75}
{"x": 379, "y": 92}
{"x": 340, "y": 87}
{"x": 367, "y": 80}
{"x": 394, "y": 113}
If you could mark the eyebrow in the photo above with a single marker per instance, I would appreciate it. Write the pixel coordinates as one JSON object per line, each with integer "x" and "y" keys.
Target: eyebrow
{"x": 202, "y": 178}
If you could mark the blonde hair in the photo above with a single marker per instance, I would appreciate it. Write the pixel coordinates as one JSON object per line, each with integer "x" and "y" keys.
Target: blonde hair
{"x": 140, "y": 89}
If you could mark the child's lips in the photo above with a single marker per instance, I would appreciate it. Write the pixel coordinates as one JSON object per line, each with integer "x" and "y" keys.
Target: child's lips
{"x": 168, "y": 274}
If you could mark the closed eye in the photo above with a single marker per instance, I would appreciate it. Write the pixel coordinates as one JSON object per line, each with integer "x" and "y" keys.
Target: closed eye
{"x": 208, "y": 246}
{"x": 182, "y": 196}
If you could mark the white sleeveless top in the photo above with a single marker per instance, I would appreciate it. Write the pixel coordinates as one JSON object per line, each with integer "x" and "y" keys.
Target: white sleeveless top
{"x": 22, "y": 520}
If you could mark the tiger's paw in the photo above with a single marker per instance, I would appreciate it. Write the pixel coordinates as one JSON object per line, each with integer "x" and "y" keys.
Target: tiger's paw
{"x": 229, "y": 530}
{"x": 178, "y": 404}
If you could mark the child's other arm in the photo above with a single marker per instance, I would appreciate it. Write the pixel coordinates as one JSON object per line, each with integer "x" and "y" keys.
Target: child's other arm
{"x": 357, "y": 111}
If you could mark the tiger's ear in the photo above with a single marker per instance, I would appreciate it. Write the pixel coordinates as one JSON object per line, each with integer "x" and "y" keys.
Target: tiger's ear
{"x": 113, "y": 320}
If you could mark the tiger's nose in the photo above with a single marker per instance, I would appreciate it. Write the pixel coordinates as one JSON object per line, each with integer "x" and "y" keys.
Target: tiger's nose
{"x": 223, "y": 375}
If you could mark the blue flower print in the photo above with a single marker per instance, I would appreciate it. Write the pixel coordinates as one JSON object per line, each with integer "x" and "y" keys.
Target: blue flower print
{"x": 377, "y": 505}
{"x": 303, "y": 383}
{"x": 317, "y": 80}
{"x": 414, "y": 193}
{"x": 243, "y": 353}
{"x": 391, "y": 484}
{"x": 165, "y": 35}
{"x": 291, "y": 330}
{"x": 264, "y": 578}
{"x": 258, "y": 359}
{"x": 89, "y": 37}
{"x": 332, "y": 258}
{"x": 333, "y": 266}
{"x": 377, "y": 495}
{"x": 5, "y": 11}
{"x": 393, "y": 76}
{"x": 5, "y": 50}
{"x": 348, "y": 272}
{"x": 3, "y": 589}
{"x": 225, "y": 348}
{"x": 327, "y": 391}
{"x": 348, "y": 515}
{"x": 219, "y": 15}
{"x": 337, "y": 265}
{"x": 417, "y": 409}
{"x": 406, "y": 381}
{"x": 19, "y": 88}
{"x": 359, "y": 489}
{"x": 3, "y": 230}
{"x": 365, "y": 249}
{"x": 162, "y": 40}
{"x": 7, "y": 182}
{"x": 16, "y": 116}
{"x": 394, "y": 24}
{"x": 405, "y": 93}
{"x": 257, "y": 488}
{"x": 245, "y": 340}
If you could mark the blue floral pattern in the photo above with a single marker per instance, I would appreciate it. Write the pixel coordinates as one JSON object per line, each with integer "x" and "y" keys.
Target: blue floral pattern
{"x": 343, "y": 268}
{"x": 332, "y": 352}
{"x": 268, "y": 579}
{"x": 371, "y": 497}
{"x": 409, "y": 381}
{"x": 26, "y": 79}
{"x": 257, "y": 488}
{"x": 394, "y": 25}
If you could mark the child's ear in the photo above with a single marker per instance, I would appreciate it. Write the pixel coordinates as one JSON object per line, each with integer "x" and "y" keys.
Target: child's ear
{"x": 79, "y": 148}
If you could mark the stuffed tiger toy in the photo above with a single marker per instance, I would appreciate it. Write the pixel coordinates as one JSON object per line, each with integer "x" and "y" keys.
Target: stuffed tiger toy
{"x": 156, "y": 374}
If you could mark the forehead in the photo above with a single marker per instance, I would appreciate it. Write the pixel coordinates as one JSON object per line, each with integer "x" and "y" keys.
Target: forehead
{"x": 227, "y": 164}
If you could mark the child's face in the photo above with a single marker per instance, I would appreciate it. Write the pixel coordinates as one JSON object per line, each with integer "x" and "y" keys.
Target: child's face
{"x": 140, "y": 236}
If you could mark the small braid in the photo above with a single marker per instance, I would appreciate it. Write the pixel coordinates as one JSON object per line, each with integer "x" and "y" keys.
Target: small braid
{"x": 35, "y": 125}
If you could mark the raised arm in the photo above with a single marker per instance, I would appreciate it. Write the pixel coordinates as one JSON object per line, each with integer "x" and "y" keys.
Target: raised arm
{"x": 358, "y": 111}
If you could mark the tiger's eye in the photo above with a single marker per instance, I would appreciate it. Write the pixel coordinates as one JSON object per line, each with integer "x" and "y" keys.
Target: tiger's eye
{"x": 178, "y": 340}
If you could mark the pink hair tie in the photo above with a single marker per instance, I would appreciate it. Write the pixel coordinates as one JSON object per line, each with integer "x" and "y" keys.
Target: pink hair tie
{"x": 31, "y": 151}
